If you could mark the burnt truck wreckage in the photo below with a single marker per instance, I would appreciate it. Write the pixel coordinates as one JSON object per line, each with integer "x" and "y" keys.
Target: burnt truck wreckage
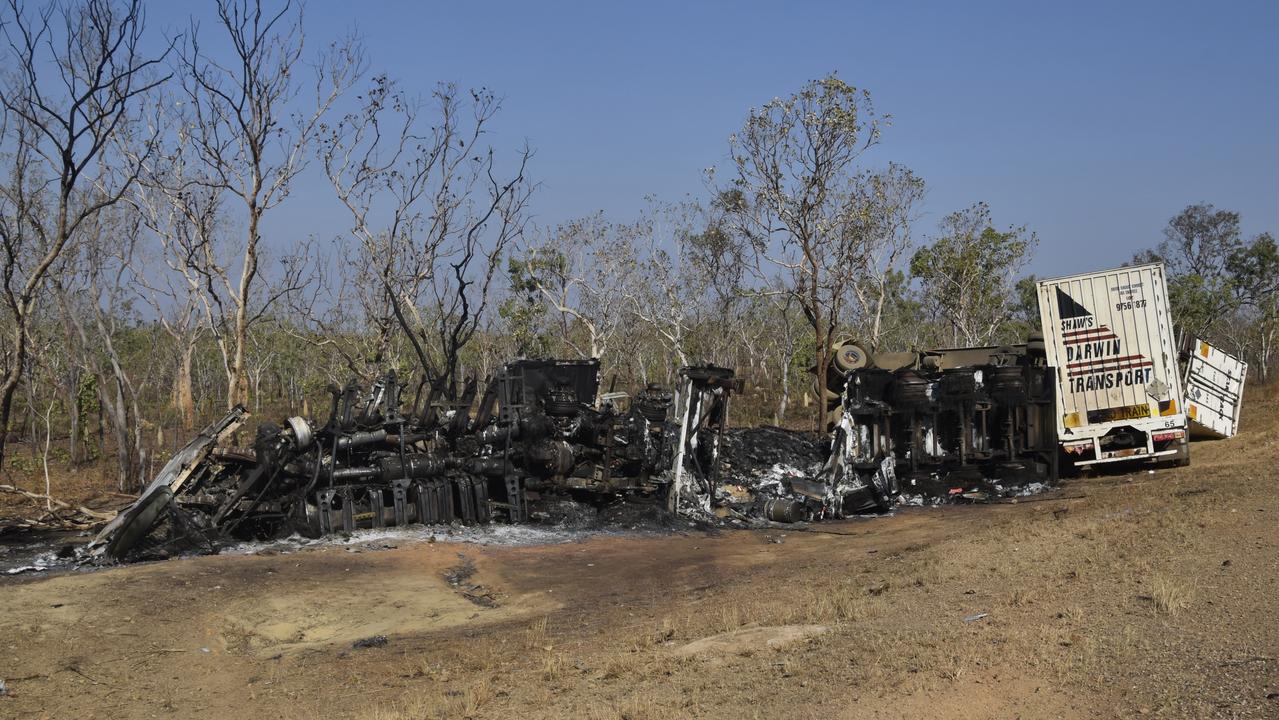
{"x": 973, "y": 423}
{"x": 931, "y": 426}
{"x": 925, "y": 427}
{"x": 540, "y": 427}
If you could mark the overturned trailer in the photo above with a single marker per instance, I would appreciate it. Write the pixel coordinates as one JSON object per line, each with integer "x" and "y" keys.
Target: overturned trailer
{"x": 540, "y": 426}
{"x": 971, "y": 422}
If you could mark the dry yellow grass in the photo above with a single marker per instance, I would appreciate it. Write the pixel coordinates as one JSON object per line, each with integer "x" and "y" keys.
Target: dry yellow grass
{"x": 952, "y": 668}
{"x": 1170, "y": 595}
{"x": 730, "y": 618}
{"x": 554, "y": 666}
{"x": 470, "y": 700}
{"x": 535, "y": 635}
{"x": 446, "y": 705}
{"x": 1022, "y": 596}
{"x": 618, "y": 666}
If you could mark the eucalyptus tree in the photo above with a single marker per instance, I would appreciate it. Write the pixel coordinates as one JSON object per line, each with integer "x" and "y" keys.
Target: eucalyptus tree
{"x": 1214, "y": 273}
{"x": 247, "y": 134}
{"x": 1197, "y": 248}
{"x": 76, "y": 73}
{"x": 95, "y": 291}
{"x": 433, "y": 209}
{"x": 969, "y": 273}
{"x": 671, "y": 292}
{"x": 820, "y": 227}
{"x": 581, "y": 270}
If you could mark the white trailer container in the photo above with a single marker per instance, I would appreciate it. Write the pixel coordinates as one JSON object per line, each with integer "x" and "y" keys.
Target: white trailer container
{"x": 1214, "y": 391}
{"x": 1110, "y": 337}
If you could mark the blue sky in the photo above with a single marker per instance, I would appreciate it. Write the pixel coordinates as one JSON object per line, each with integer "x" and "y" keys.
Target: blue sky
{"x": 1090, "y": 123}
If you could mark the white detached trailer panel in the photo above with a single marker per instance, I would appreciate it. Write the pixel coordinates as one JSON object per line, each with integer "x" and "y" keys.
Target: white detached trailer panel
{"x": 1214, "y": 391}
{"x": 1110, "y": 337}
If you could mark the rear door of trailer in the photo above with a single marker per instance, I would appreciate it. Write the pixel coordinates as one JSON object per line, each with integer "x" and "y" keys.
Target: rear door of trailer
{"x": 1110, "y": 337}
{"x": 1214, "y": 391}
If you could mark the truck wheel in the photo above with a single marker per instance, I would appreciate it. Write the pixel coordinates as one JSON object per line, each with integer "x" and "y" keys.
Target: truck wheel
{"x": 849, "y": 357}
{"x": 1035, "y": 343}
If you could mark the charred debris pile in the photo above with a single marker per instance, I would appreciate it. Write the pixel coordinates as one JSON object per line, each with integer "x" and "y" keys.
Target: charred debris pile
{"x": 972, "y": 423}
{"x": 538, "y": 429}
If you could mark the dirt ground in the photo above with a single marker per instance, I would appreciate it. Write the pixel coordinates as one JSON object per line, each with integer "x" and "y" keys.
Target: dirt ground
{"x": 1146, "y": 594}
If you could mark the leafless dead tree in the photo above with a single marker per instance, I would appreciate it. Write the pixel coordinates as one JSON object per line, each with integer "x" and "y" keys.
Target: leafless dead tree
{"x": 432, "y": 212}
{"x": 247, "y": 143}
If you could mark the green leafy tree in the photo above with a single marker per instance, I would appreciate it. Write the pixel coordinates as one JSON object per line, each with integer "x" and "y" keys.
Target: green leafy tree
{"x": 1196, "y": 250}
{"x": 1212, "y": 270}
{"x": 1023, "y": 317}
{"x": 524, "y": 312}
{"x": 1254, "y": 270}
{"x": 909, "y": 322}
{"x": 819, "y": 227}
{"x": 968, "y": 271}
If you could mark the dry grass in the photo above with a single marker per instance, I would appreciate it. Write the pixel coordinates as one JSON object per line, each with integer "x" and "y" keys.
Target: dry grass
{"x": 834, "y": 604}
{"x": 535, "y": 635}
{"x": 824, "y": 604}
{"x": 1074, "y": 615}
{"x": 415, "y": 707}
{"x": 469, "y": 701}
{"x": 668, "y": 630}
{"x": 640, "y": 706}
{"x": 1022, "y": 596}
{"x": 730, "y": 617}
{"x": 554, "y": 666}
{"x": 403, "y": 710}
{"x": 1169, "y": 595}
{"x": 481, "y": 657}
{"x": 464, "y": 703}
{"x": 619, "y": 666}
{"x": 952, "y": 668}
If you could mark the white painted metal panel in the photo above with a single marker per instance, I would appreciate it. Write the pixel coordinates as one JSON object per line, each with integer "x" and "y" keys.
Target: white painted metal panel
{"x": 1110, "y": 337}
{"x": 1214, "y": 390}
